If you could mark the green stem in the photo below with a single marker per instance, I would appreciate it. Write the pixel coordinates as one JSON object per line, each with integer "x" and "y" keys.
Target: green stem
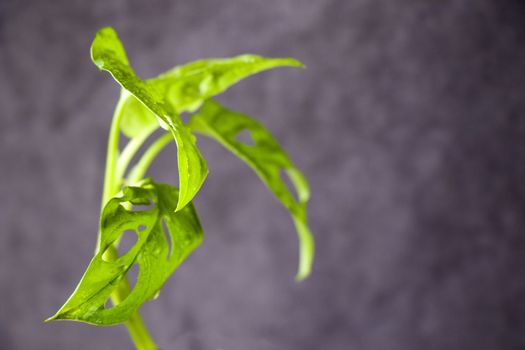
{"x": 139, "y": 170}
{"x": 110, "y": 189}
{"x": 136, "y": 327}
{"x": 139, "y": 333}
{"x": 129, "y": 152}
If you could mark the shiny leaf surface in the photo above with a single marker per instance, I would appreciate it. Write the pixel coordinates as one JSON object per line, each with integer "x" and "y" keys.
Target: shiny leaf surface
{"x": 108, "y": 54}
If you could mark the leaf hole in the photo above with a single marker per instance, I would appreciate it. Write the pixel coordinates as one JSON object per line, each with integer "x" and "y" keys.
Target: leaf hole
{"x": 141, "y": 228}
{"x": 245, "y": 137}
{"x": 289, "y": 184}
{"x": 168, "y": 237}
{"x": 108, "y": 304}
{"x": 185, "y": 116}
{"x": 128, "y": 239}
{"x": 133, "y": 275}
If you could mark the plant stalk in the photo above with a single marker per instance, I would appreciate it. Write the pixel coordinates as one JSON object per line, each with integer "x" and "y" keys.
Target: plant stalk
{"x": 137, "y": 329}
{"x": 138, "y": 172}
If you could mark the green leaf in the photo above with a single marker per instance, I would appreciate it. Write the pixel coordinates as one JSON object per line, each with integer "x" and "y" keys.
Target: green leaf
{"x": 186, "y": 87}
{"x": 268, "y": 160}
{"x": 151, "y": 253}
{"x": 136, "y": 119}
{"x": 108, "y": 54}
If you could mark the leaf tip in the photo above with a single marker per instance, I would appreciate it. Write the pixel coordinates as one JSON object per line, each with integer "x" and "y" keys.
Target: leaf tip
{"x": 60, "y": 315}
{"x": 301, "y": 276}
{"x": 106, "y": 42}
{"x": 292, "y": 62}
{"x": 52, "y": 318}
{"x": 301, "y": 65}
{"x": 106, "y": 31}
{"x": 180, "y": 205}
{"x": 305, "y": 268}
{"x": 186, "y": 194}
{"x": 306, "y": 249}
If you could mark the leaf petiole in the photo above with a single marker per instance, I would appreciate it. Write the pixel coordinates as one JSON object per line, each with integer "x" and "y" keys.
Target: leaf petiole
{"x": 129, "y": 152}
{"x": 112, "y": 181}
{"x": 138, "y": 172}
{"x": 110, "y": 186}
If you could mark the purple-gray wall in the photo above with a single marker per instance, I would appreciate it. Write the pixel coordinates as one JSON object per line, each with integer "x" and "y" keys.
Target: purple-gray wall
{"x": 409, "y": 123}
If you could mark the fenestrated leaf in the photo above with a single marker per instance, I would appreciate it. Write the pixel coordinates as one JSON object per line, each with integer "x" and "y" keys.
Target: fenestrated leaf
{"x": 151, "y": 253}
{"x": 268, "y": 160}
{"x": 186, "y": 87}
{"x": 108, "y": 54}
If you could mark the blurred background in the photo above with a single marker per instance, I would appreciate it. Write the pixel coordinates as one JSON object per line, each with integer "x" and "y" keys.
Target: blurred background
{"x": 409, "y": 123}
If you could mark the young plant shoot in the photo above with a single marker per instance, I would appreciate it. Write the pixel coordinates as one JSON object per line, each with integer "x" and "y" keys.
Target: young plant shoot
{"x": 162, "y": 216}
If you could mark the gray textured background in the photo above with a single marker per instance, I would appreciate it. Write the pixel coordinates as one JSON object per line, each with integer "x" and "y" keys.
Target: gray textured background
{"x": 409, "y": 122}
